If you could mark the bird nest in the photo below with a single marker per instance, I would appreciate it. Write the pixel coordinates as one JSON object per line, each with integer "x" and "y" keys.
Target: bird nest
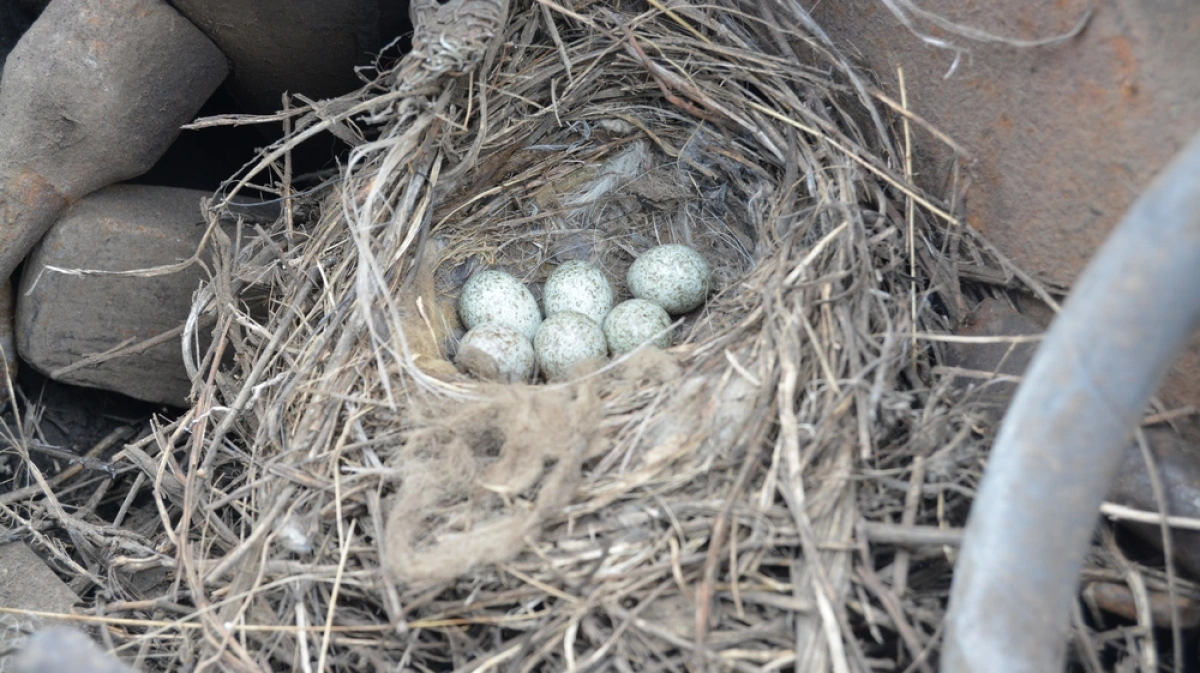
{"x": 341, "y": 497}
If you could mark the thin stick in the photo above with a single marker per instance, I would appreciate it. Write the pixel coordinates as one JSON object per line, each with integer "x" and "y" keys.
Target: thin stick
{"x": 1170, "y": 415}
{"x": 912, "y": 536}
{"x": 344, "y": 539}
{"x": 1123, "y": 513}
{"x": 910, "y": 216}
{"x": 890, "y": 599}
{"x": 912, "y": 500}
{"x": 333, "y": 596}
{"x": 1168, "y": 548}
{"x": 182, "y": 625}
{"x": 57, "y": 480}
{"x": 287, "y": 170}
{"x": 957, "y": 339}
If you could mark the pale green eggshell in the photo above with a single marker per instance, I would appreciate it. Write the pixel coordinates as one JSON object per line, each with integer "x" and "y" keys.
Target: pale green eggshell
{"x": 673, "y": 276}
{"x": 495, "y": 296}
{"x": 496, "y": 352}
{"x": 578, "y": 286}
{"x": 635, "y": 322}
{"x": 566, "y": 340}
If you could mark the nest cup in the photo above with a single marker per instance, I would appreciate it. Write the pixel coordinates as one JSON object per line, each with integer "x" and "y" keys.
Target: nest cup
{"x": 669, "y": 505}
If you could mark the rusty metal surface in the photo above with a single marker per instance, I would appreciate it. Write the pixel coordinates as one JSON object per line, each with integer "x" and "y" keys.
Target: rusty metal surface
{"x": 1061, "y": 138}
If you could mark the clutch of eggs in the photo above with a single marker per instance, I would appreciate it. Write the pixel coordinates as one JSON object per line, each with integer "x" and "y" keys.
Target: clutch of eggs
{"x": 507, "y": 336}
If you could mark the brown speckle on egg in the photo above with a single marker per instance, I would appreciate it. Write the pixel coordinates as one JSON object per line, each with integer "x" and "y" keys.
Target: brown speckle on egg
{"x": 673, "y": 276}
{"x": 636, "y": 322}
{"x": 495, "y": 296}
{"x": 496, "y": 352}
{"x": 567, "y": 340}
{"x": 578, "y": 286}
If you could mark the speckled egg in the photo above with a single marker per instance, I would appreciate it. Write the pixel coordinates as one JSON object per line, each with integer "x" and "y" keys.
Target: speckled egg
{"x": 566, "y": 340}
{"x": 636, "y": 322}
{"x": 495, "y": 296}
{"x": 496, "y": 352}
{"x": 673, "y": 276}
{"x": 578, "y": 286}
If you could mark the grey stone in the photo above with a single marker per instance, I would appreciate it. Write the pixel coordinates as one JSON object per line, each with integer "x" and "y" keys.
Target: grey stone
{"x": 27, "y": 583}
{"x": 1178, "y": 463}
{"x": 92, "y": 94}
{"x": 63, "y": 318}
{"x": 993, "y": 317}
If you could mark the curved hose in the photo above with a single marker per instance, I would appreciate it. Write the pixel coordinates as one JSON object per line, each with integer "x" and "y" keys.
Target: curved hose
{"x": 1131, "y": 312}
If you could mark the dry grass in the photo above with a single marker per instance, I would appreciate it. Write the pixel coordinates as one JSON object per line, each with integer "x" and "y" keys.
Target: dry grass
{"x": 340, "y": 498}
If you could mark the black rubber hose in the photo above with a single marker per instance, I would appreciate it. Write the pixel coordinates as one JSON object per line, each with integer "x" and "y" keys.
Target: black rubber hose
{"x": 1129, "y": 315}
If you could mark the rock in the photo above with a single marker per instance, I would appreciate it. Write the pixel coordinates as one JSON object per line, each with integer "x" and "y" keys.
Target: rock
{"x": 63, "y": 319}
{"x": 295, "y": 46}
{"x": 1178, "y": 464}
{"x": 995, "y": 318}
{"x": 92, "y": 94}
{"x": 64, "y": 649}
{"x": 27, "y": 583}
